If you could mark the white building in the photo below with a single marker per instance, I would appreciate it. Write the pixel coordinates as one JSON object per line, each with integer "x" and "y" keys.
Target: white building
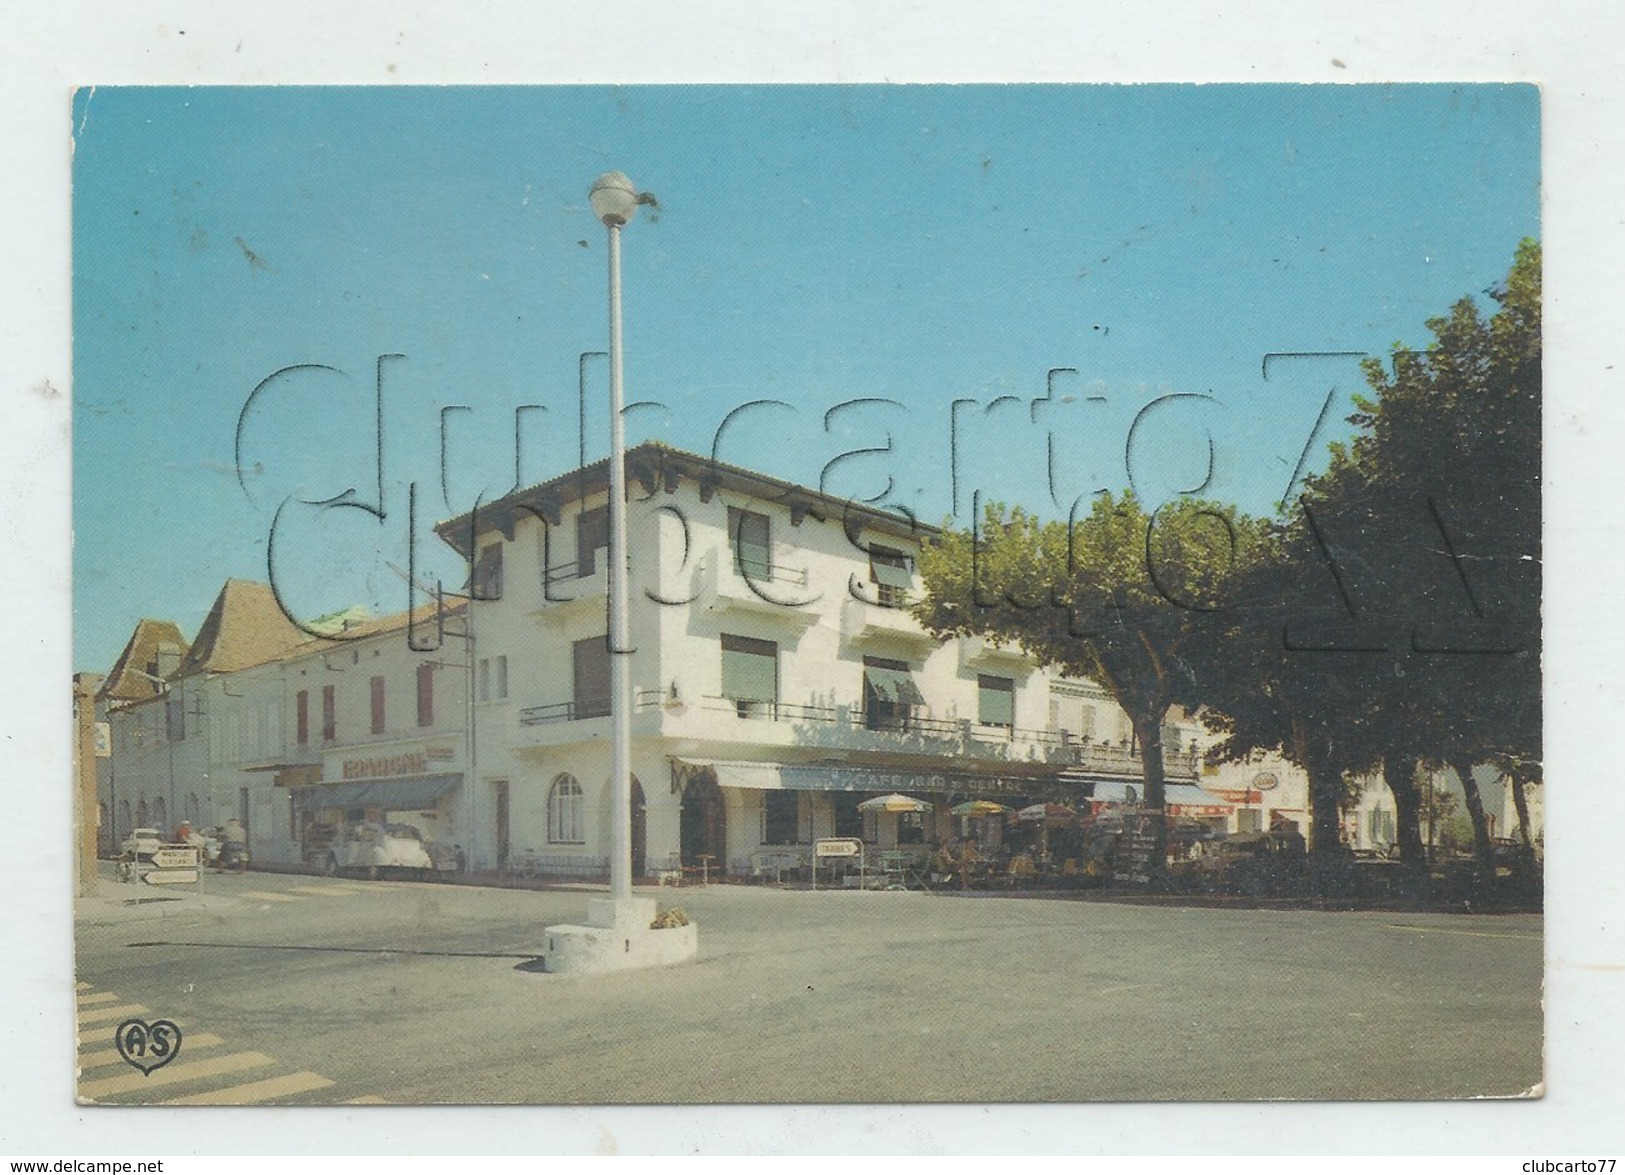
{"x": 288, "y": 733}
{"x": 778, "y": 678}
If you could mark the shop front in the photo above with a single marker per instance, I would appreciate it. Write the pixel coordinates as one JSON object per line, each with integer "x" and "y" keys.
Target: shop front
{"x": 331, "y": 815}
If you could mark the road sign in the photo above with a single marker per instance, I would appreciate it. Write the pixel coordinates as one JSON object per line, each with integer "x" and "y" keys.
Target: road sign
{"x": 171, "y": 877}
{"x": 842, "y": 847}
{"x": 176, "y": 858}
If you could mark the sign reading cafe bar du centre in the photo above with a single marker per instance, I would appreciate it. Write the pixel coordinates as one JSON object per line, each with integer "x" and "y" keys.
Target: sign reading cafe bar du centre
{"x": 821, "y": 778}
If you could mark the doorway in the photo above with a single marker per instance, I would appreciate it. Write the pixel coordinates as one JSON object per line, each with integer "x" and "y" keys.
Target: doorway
{"x": 500, "y": 789}
{"x": 640, "y": 830}
{"x": 703, "y": 827}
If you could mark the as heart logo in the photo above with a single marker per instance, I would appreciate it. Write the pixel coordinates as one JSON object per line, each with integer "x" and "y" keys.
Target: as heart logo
{"x": 148, "y": 1046}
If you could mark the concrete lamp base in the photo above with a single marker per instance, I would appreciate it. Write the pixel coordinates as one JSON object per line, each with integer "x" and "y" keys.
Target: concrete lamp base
{"x": 617, "y": 937}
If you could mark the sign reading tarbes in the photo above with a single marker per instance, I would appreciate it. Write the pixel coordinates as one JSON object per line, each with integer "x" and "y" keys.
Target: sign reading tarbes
{"x": 808, "y": 777}
{"x": 842, "y": 847}
{"x": 387, "y": 766}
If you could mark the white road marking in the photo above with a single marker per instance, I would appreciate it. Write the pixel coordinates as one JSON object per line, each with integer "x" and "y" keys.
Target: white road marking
{"x": 100, "y": 997}
{"x": 93, "y": 1015}
{"x": 173, "y": 1074}
{"x": 255, "y": 1091}
{"x": 104, "y": 1057}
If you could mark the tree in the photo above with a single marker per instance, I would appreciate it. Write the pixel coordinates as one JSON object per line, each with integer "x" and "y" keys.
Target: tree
{"x": 1116, "y": 596}
{"x": 1439, "y": 502}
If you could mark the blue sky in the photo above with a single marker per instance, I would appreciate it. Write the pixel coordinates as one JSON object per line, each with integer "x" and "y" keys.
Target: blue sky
{"x": 905, "y": 246}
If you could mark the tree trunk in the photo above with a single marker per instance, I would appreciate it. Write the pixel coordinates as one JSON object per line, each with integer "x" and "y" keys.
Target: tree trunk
{"x": 1520, "y": 801}
{"x": 1148, "y": 732}
{"x": 1475, "y": 811}
{"x": 1399, "y": 772}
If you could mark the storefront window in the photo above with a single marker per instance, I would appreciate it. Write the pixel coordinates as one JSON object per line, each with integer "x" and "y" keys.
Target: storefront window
{"x": 780, "y": 810}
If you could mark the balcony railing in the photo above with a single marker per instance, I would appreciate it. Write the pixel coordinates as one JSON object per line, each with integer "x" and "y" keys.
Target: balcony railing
{"x": 1059, "y": 746}
{"x": 764, "y": 572}
{"x": 579, "y": 709}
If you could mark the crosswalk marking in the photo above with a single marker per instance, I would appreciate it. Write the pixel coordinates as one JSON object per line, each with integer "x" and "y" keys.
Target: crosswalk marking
{"x": 173, "y": 1074}
{"x": 255, "y": 1091}
{"x": 93, "y": 1015}
{"x": 326, "y": 891}
{"x": 265, "y": 895}
{"x": 103, "y": 1027}
{"x": 98, "y": 1034}
{"x": 105, "y": 1057}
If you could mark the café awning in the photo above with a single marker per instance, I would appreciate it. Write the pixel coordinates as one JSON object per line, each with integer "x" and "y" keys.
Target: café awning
{"x": 399, "y": 794}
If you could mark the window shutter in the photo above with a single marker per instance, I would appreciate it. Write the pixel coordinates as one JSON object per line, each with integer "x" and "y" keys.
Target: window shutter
{"x": 591, "y": 665}
{"x": 996, "y": 700}
{"x": 750, "y": 669}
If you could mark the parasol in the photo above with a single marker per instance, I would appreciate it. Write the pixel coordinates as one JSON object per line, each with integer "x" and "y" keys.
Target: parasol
{"x": 978, "y": 808}
{"x": 1045, "y": 812}
{"x": 894, "y": 803}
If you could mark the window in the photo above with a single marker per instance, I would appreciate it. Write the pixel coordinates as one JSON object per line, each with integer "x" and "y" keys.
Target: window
{"x": 750, "y": 535}
{"x": 378, "y": 705}
{"x": 780, "y": 814}
{"x": 426, "y": 694}
{"x": 848, "y": 819}
{"x": 889, "y": 570}
{"x": 591, "y": 674}
{"x": 889, "y": 694}
{"x": 995, "y": 701}
{"x": 502, "y": 676}
{"x": 910, "y": 828}
{"x": 175, "y": 717}
{"x": 485, "y": 679}
{"x": 592, "y": 536}
{"x": 750, "y": 674}
{"x": 301, "y": 717}
{"x": 488, "y": 573}
{"x": 564, "y": 811}
{"x": 330, "y": 715}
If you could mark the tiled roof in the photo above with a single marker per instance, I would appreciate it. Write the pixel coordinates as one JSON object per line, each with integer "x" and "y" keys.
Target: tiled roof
{"x": 654, "y": 465}
{"x": 155, "y": 649}
{"x": 245, "y": 627}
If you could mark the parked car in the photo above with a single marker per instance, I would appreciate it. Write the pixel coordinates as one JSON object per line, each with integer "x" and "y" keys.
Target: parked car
{"x": 1251, "y": 862}
{"x": 142, "y": 843}
{"x": 372, "y": 850}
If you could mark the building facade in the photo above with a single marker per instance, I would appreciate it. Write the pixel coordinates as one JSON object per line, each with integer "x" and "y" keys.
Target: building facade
{"x": 779, "y": 680}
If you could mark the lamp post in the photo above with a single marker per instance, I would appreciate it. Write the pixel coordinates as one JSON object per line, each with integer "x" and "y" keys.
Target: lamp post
{"x": 615, "y": 202}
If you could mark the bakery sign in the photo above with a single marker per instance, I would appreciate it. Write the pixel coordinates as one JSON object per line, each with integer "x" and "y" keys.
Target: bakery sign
{"x": 387, "y": 766}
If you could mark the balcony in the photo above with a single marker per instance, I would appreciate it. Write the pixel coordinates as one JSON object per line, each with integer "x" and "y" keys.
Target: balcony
{"x": 572, "y": 596}
{"x": 977, "y": 652}
{"x": 774, "y": 589}
{"x": 559, "y": 717}
{"x": 886, "y": 616}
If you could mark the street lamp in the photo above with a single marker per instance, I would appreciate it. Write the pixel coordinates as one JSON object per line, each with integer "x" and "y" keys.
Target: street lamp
{"x": 621, "y": 931}
{"x": 615, "y": 202}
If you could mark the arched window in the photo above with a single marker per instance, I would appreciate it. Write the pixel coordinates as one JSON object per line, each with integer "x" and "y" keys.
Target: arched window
{"x": 192, "y": 806}
{"x": 160, "y": 818}
{"x": 123, "y": 819}
{"x": 141, "y": 817}
{"x": 564, "y": 811}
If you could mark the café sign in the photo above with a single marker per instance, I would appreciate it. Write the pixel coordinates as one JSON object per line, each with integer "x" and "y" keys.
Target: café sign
{"x": 387, "y": 766}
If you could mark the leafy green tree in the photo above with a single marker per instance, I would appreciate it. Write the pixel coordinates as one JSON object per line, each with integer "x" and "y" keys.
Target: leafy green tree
{"x": 1116, "y": 595}
{"x": 1437, "y": 507}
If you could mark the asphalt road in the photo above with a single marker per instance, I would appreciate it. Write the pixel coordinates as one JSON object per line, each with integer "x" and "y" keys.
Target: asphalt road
{"x": 303, "y": 990}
